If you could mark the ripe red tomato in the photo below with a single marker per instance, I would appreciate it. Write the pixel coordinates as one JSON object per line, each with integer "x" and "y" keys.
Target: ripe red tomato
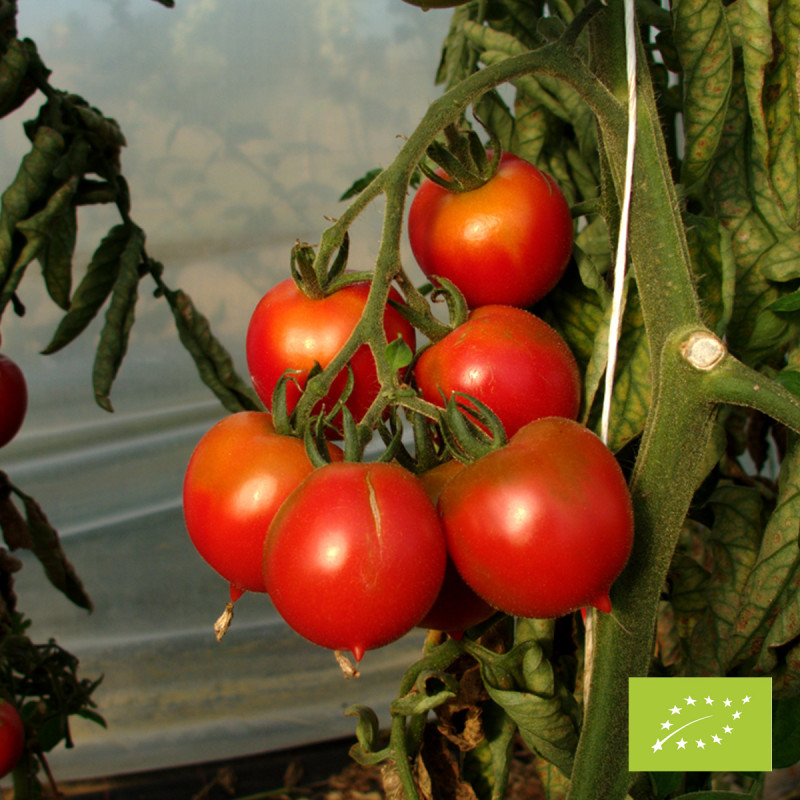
{"x": 12, "y": 737}
{"x": 238, "y": 475}
{"x": 13, "y": 399}
{"x": 291, "y": 331}
{"x": 507, "y": 242}
{"x": 508, "y": 359}
{"x": 355, "y": 556}
{"x": 543, "y": 526}
{"x": 457, "y": 607}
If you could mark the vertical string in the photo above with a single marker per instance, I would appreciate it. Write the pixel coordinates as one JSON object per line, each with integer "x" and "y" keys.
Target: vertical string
{"x": 618, "y": 300}
{"x": 618, "y": 297}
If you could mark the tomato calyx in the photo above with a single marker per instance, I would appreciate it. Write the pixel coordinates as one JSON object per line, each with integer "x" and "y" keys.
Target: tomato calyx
{"x": 314, "y": 280}
{"x": 470, "y": 428}
{"x": 466, "y": 164}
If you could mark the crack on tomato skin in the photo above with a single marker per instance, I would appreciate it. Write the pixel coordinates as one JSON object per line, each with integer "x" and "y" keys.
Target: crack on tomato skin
{"x": 377, "y": 526}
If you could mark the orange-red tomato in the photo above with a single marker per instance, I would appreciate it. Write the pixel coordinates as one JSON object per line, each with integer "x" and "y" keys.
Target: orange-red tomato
{"x": 355, "y": 556}
{"x": 291, "y": 331}
{"x": 542, "y": 526}
{"x": 457, "y": 607}
{"x": 12, "y": 737}
{"x": 507, "y": 242}
{"x": 239, "y": 474}
{"x": 508, "y": 359}
{"x": 13, "y": 399}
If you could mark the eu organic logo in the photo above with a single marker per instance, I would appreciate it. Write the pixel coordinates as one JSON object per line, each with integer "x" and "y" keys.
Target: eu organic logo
{"x": 699, "y": 724}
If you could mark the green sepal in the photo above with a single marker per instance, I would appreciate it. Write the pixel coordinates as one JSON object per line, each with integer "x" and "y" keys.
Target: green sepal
{"x": 393, "y": 439}
{"x": 282, "y": 420}
{"x": 339, "y": 263}
{"x": 471, "y": 429}
{"x": 367, "y": 727}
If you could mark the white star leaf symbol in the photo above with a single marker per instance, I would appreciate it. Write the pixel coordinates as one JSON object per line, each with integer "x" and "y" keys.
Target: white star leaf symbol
{"x": 675, "y": 710}
{"x": 709, "y": 701}
{"x": 657, "y": 745}
{"x": 666, "y": 725}
{"x": 681, "y": 744}
{"x": 728, "y": 729}
{"x": 727, "y": 702}
{"x": 716, "y": 738}
{"x": 746, "y": 699}
{"x": 701, "y": 744}
{"x": 737, "y": 715}
{"x": 690, "y": 701}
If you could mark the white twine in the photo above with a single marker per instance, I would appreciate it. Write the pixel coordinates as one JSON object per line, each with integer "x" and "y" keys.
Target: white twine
{"x": 618, "y": 300}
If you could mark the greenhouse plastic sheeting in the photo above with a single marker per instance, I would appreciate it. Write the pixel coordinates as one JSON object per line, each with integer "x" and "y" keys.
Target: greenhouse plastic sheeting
{"x": 245, "y": 122}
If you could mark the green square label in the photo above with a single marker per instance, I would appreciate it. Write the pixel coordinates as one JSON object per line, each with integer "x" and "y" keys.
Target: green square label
{"x": 700, "y": 724}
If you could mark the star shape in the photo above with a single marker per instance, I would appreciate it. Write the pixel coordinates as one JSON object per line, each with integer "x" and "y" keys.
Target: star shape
{"x": 681, "y": 744}
{"x": 701, "y": 744}
{"x": 727, "y": 701}
{"x": 716, "y": 739}
{"x": 657, "y": 745}
{"x": 737, "y": 714}
{"x": 709, "y": 701}
{"x": 728, "y": 729}
{"x": 675, "y": 710}
{"x": 667, "y": 725}
{"x": 690, "y": 701}
{"x": 746, "y": 699}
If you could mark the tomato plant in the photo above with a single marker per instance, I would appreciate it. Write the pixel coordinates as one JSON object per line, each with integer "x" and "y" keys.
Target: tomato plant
{"x": 508, "y": 359}
{"x": 13, "y": 399}
{"x": 542, "y": 526}
{"x": 507, "y": 242}
{"x": 457, "y": 607}
{"x": 355, "y": 556}
{"x": 238, "y": 475}
{"x": 12, "y": 737}
{"x": 291, "y": 331}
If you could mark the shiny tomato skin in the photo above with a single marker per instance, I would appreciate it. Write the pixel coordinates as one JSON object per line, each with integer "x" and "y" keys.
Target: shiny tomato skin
{"x": 456, "y": 607}
{"x": 12, "y": 737}
{"x": 288, "y": 330}
{"x": 507, "y": 242}
{"x": 355, "y": 557}
{"x": 238, "y": 475}
{"x": 13, "y": 399}
{"x": 543, "y": 526}
{"x": 508, "y": 359}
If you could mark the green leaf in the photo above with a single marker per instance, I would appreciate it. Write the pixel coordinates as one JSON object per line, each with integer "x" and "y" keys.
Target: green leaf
{"x": 13, "y": 69}
{"x": 769, "y": 37}
{"x": 28, "y": 187}
{"x": 431, "y": 689}
{"x": 359, "y": 185}
{"x": 487, "y": 766}
{"x": 458, "y": 57}
{"x": 709, "y": 575}
{"x": 761, "y": 241}
{"x": 214, "y": 363}
{"x": 790, "y": 378}
{"x": 94, "y": 288}
{"x": 767, "y": 625}
{"x": 46, "y": 546}
{"x": 705, "y": 51}
{"x": 50, "y": 236}
{"x": 789, "y": 302}
{"x": 785, "y": 732}
{"x": 118, "y": 320}
{"x": 523, "y": 683}
{"x": 714, "y": 268}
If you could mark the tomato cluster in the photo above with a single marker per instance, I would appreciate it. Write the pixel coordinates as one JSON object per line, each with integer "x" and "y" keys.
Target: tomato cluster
{"x": 527, "y": 512}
